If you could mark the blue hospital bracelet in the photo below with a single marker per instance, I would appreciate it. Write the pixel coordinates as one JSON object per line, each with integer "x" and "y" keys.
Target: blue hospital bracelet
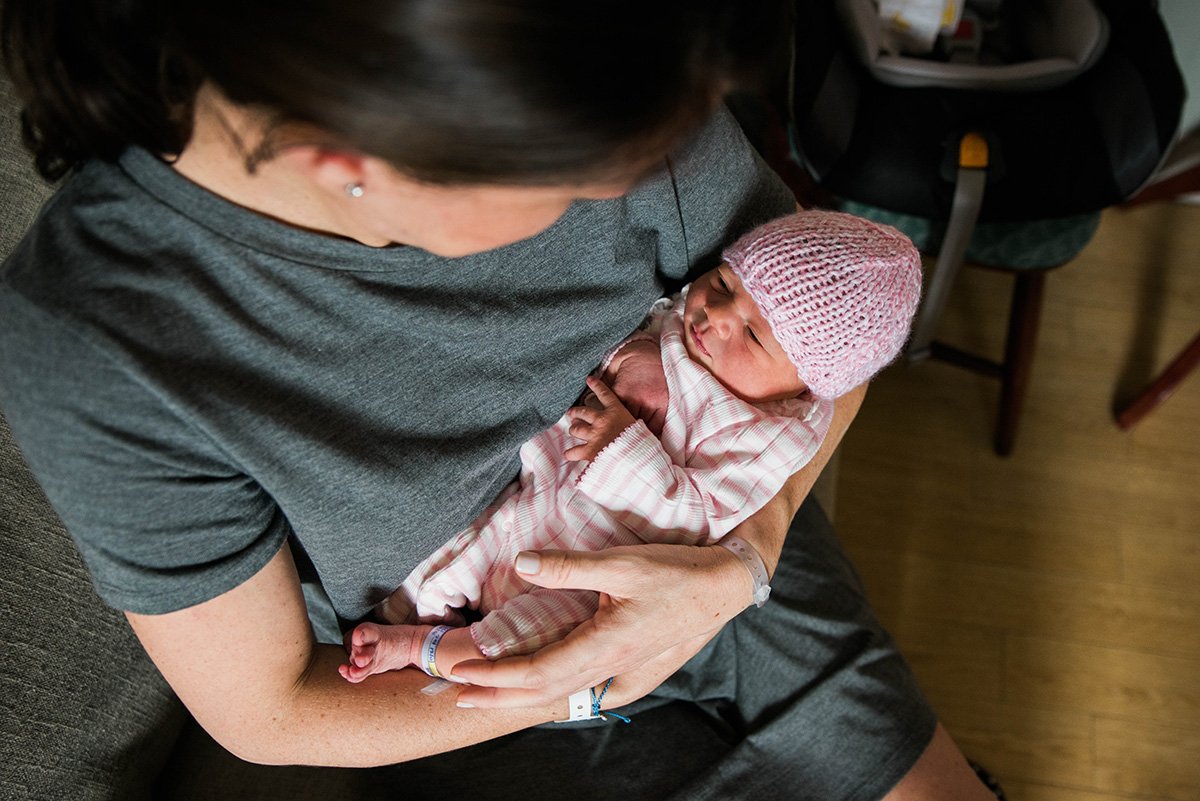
{"x": 429, "y": 650}
{"x": 749, "y": 557}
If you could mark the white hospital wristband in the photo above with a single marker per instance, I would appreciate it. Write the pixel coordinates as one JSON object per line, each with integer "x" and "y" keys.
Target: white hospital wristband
{"x": 429, "y": 651}
{"x": 754, "y": 563}
{"x": 579, "y": 707}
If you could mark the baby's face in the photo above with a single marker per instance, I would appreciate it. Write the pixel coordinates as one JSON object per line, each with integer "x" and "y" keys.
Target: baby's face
{"x": 725, "y": 332}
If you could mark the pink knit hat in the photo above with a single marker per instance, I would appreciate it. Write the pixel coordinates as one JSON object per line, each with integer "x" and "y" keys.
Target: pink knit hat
{"x": 838, "y": 291}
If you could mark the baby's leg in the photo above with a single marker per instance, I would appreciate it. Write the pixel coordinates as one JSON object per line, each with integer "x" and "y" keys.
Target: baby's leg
{"x": 454, "y": 647}
{"x": 375, "y": 648}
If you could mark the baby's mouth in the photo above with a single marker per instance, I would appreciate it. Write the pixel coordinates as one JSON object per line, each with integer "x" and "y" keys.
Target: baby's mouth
{"x": 696, "y": 338}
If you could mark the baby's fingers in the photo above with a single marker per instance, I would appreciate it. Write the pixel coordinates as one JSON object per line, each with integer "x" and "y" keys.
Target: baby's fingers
{"x": 603, "y": 393}
{"x": 581, "y": 429}
{"x": 583, "y": 413}
{"x": 579, "y": 453}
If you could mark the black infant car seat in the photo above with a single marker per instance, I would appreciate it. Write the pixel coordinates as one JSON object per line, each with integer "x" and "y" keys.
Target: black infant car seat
{"x": 1006, "y": 140}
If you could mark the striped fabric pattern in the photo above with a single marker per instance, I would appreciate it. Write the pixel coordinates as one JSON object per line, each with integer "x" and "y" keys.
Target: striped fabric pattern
{"x": 719, "y": 460}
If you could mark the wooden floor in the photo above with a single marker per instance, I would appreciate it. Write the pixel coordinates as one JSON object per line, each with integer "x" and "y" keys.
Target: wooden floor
{"x": 1050, "y": 602}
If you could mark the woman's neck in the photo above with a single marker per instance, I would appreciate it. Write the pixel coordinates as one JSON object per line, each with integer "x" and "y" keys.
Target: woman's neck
{"x": 215, "y": 158}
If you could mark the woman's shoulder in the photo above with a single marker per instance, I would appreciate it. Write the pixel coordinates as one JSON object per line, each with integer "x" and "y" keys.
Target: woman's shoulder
{"x": 95, "y": 224}
{"x": 712, "y": 188}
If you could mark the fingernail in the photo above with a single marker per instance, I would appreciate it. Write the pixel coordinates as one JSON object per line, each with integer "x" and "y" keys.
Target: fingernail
{"x": 528, "y": 563}
{"x": 464, "y": 705}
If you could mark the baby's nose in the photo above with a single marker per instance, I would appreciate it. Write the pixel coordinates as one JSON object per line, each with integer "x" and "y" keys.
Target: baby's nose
{"x": 719, "y": 319}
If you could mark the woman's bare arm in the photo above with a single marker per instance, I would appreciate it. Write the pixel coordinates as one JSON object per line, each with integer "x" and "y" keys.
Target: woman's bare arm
{"x": 767, "y": 529}
{"x": 247, "y": 667}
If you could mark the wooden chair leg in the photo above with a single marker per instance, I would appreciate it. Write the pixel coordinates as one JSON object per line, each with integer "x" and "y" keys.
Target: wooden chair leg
{"x": 1163, "y": 386}
{"x": 1023, "y": 318}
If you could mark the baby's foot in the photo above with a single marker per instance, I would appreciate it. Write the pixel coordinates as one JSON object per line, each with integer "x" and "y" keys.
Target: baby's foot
{"x": 374, "y": 649}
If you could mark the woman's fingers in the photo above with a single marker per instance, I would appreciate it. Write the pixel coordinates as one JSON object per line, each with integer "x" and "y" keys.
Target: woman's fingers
{"x": 492, "y": 698}
{"x": 614, "y": 570}
{"x": 659, "y": 604}
{"x": 514, "y": 672}
{"x": 505, "y": 684}
{"x": 529, "y": 680}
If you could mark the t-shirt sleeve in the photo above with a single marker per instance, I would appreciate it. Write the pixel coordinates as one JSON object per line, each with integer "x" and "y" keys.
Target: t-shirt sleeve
{"x": 722, "y": 188}
{"x": 162, "y": 518}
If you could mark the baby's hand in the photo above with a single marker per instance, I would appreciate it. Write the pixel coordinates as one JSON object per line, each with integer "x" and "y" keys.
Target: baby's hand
{"x": 597, "y": 427}
{"x": 636, "y": 376}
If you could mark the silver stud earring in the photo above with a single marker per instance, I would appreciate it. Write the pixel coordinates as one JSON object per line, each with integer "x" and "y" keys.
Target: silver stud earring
{"x": 355, "y": 190}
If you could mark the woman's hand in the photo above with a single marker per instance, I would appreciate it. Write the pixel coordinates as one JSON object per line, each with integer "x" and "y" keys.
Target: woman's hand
{"x": 659, "y": 605}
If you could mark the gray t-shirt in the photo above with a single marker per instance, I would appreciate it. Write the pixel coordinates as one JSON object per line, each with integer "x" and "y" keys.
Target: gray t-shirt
{"x": 192, "y": 382}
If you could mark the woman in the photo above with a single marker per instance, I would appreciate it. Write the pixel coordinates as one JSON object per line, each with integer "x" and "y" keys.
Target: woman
{"x": 291, "y": 236}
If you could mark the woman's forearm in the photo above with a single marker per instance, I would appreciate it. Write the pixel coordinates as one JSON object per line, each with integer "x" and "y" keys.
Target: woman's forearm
{"x": 246, "y": 666}
{"x": 767, "y": 528}
{"x": 383, "y": 720}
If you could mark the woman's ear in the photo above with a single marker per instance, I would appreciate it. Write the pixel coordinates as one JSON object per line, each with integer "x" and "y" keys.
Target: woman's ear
{"x": 334, "y": 171}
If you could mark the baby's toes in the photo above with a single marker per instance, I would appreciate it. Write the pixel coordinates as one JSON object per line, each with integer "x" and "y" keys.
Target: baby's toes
{"x": 365, "y": 634}
{"x": 362, "y": 656}
{"x": 352, "y": 674}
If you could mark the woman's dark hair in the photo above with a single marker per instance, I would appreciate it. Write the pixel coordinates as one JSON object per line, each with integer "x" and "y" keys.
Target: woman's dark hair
{"x": 448, "y": 91}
